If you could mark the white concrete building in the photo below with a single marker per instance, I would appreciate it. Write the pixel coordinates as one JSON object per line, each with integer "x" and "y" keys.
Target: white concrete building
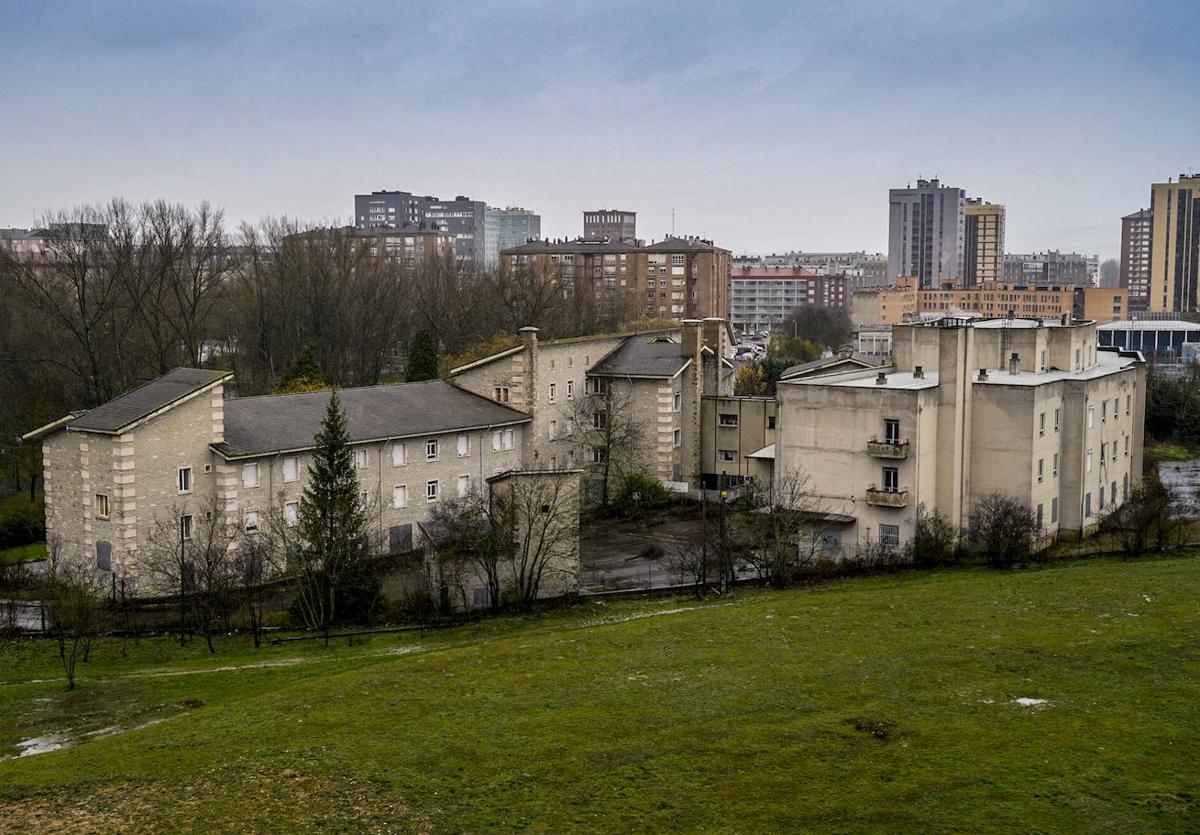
{"x": 1030, "y": 408}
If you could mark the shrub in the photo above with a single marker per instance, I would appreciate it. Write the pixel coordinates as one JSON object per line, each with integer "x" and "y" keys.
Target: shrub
{"x": 935, "y": 540}
{"x": 640, "y": 494}
{"x": 21, "y": 522}
{"x": 1003, "y": 530}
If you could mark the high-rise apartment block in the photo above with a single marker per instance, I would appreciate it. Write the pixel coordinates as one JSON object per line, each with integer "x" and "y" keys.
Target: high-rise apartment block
{"x": 516, "y": 226}
{"x": 613, "y": 224}
{"x": 1046, "y": 268}
{"x": 761, "y": 297}
{"x": 925, "y": 233}
{"x": 1135, "y": 257}
{"x": 1175, "y": 244}
{"x": 478, "y": 229}
{"x": 983, "y": 242}
{"x": 673, "y": 278}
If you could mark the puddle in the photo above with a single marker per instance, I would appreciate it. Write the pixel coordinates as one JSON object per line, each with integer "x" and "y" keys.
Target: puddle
{"x": 58, "y": 740}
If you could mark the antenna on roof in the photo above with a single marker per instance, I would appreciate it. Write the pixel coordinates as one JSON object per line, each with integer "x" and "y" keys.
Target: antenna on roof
{"x": 672, "y": 221}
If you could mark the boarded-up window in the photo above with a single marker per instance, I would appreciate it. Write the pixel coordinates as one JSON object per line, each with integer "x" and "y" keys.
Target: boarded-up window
{"x": 400, "y": 539}
{"x": 104, "y": 555}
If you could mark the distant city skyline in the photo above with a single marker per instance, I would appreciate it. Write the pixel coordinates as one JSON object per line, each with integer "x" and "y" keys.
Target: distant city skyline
{"x": 771, "y": 127}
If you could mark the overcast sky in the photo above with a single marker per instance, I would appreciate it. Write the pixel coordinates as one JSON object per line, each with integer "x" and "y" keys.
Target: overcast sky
{"x": 768, "y": 126}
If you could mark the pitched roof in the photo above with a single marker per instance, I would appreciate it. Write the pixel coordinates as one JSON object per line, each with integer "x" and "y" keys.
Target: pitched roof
{"x": 641, "y": 357}
{"x": 828, "y": 365}
{"x": 674, "y": 244}
{"x": 157, "y": 394}
{"x": 575, "y": 246}
{"x": 271, "y": 423}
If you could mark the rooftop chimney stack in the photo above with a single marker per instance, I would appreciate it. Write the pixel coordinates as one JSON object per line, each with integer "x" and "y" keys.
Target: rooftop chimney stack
{"x": 1014, "y": 363}
{"x": 918, "y": 372}
{"x": 983, "y": 375}
{"x": 881, "y": 379}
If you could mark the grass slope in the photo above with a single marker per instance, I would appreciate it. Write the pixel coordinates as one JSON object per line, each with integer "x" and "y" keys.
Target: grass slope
{"x": 884, "y": 704}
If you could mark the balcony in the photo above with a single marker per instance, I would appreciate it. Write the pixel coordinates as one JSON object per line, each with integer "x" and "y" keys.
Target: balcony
{"x": 887, "y": 498}
{"x": 888, "y": 449}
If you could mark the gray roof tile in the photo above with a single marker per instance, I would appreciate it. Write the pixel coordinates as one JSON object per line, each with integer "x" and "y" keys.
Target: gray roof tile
{"x": 146, "y": 399}
{"x": 258, "y": 425}
{"x": 640, "y": 356}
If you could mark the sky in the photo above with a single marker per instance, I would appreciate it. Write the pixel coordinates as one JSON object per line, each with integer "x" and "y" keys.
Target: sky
{"x": 767, "y": 126}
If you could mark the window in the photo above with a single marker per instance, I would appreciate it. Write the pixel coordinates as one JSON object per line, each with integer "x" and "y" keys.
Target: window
{"x": 431, "y": 491}
{"x": 599, "y": 385}
{"x": 1103, "y": 450}
{"x": 570, "y": 389}
{"x": 553, "y": 429}
{"x": 399, "y": 454}
{"x": 251, "y": 521}
{"x": 431, "y": 449}
{"x": 599, "y": 420}
{"x": 1057, "y": 414}
{"x": 1113, "y": 495}
{"x": 500, "y": 394}
{"x": 1042, "y": 423}
{"x": 1091, "y": 414}
{"x": 889, "y": 535}
{"x": 1039, "y": 517}
{"x": 891, "y": 479}
{"x": 675, "y": 438}
{"x": 364, "y": 499}
{"x": 185, "y": 527}
{"x": 553, "y": 392}
{"x": 728, "y": 456}
{"x": 360, "y": 459}
{"x": 1055, "y": 470}
{"x": 400, "y": 496}
{"x": 502, "y": 439}
{"x": 1041, "y": 462}
{"x": 1128, "y": 400}
{"x": 291, "y": 468}
{"x": 291, "y": 514}
{"x": 1126, "y": 446}
{"x": 1087, "y": 505}
{"x": 729, "y": 420}
{"x": 1101, "y": 497}
{"x": 1116, "y": 407}
{"x": 599, "y": 455}
{"x": 249, "y": 475}
{"x": 463, "y": 445}
{"x": 676, "y": 402}
{"x": 1053, "y": 510}
{"x": 464, "y": 485}
{"x": 770, "y": 421}
{"x": 1089, "y": 460}
{"x": 554, "y": 462}
{"x": 891, "y": 430}
{"x": 185, "y": 479}
{"x": 103, "y": 555}
{"x": 101, "y": 506}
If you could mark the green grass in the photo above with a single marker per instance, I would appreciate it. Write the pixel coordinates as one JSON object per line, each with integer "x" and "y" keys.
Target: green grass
{"x": 1168, "y": 451}
{"x": 23, "y": 553}
{"x": 884, "y": 704}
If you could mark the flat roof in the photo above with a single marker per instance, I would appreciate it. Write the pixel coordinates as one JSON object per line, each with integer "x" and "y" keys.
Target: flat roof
{"x": 1150, "y": 325}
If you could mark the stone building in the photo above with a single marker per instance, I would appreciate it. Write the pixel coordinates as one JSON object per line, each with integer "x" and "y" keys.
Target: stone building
{"x": 164, "y": 454}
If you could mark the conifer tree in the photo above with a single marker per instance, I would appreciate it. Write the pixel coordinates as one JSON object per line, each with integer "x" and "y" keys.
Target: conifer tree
{"x": 422, "y": 357}
{"x": 332, "y": 524}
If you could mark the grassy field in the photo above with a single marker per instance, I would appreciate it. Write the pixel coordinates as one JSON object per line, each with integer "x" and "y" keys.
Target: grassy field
{"x": 1060, "y": 699}
{"x": 23, "y": 553}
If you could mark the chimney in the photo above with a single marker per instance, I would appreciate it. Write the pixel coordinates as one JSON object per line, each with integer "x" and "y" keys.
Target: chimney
{"x": 1014, "y": 363}
{"x": 881, "y": 379}
{"x": 690, "y": 338}
{"x": 529, "y": 335}
{"x": 918, "y": 372}
{"x": 983, "y": 374}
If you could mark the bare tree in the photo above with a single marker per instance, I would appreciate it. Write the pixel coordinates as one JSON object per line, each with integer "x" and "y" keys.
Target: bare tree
{"x": 72, "y": 593}
{"x": 697, "y": 559}
{"x": 784, "y": 526}
{"x": 1003, "y": 529}
{"x": 607, "y": 432}
{"x": 1150, "y": 519}
{"x": 195, "y": 559}
{"x": 539, "y": 518}
{"x": 935, "y": 541}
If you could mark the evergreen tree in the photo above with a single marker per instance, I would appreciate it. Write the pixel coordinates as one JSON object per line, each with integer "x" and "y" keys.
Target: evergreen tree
{"x": 422, "y": 357}
{"x": 303, "y": 374}
{"x": 334, "y": 553}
